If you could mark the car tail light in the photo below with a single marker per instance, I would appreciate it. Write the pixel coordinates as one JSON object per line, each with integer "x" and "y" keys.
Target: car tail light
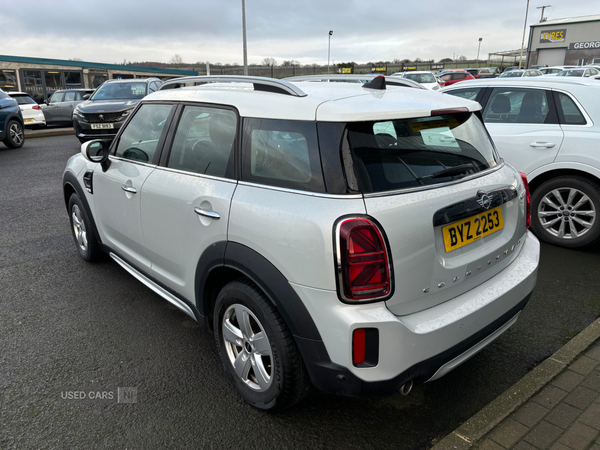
{"x": 363, "y": 261}
{"x": 527, "y": 200}
{"x": 36, "y": 107}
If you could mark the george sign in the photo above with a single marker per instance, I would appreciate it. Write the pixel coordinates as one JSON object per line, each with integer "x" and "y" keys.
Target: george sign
{"x": 549, "y": 36}
{"x": 584, "y": 45}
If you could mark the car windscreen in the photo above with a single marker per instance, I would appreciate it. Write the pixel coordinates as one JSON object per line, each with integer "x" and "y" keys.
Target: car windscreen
{"x": 110, "y": 91}
{"x": 571, "y": 73}
{"x": 24, "y": 100}
{"x": 421, "y": 77}
{"x": 512, "y": 73}
{"x": 408, "y": 153}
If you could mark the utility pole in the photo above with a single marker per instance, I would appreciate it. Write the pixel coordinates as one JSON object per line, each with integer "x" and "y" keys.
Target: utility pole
{"x": 524, "y": 28}
{"x": 329, "y": 50}
{"x": 244, "y": 32}
{"x": 543, "y": 8}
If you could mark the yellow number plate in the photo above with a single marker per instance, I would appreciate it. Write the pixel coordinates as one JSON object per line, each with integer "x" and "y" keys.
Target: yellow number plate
{"x": 469, "y": 230}
{"x": 28, "y": 120}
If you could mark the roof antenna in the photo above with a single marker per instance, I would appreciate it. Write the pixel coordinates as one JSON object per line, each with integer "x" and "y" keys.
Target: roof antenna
{"x": 376, "y": 83}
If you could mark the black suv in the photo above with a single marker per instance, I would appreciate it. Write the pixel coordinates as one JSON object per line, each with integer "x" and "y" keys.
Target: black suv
{"x": 104, "y": 112}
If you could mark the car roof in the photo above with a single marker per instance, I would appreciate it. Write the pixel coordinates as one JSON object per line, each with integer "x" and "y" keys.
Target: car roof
{"x": 18, "y": 93}
{"x": 132, "y": 80}
{"x": 329, "y": 102}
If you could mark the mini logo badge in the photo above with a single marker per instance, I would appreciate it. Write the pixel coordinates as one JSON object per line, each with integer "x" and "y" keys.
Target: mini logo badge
{"x": 485, "y": 201}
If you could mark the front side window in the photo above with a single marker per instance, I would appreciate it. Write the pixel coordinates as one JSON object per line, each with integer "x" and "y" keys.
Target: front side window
{"x": 69, "y": 96}
{"x": 140, "y": 138}
{"x": 282, "y": 153}
{"x": 57, "y": 97}
{"x": 407, "y": 153}
{"x": 517, "y": 105}
{"x": 204, "y": 141}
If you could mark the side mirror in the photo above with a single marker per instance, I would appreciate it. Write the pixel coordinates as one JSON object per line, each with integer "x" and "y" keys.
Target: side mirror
{"x": 86, "y": 96}
{"x": 96, "y": 151}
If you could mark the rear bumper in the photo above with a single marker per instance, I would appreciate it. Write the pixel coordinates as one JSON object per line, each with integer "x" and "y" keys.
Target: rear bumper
{"x": 422, "y": 346}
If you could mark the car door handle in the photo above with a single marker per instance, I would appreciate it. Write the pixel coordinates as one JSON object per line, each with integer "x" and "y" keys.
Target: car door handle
{"x": 210, "y": 214}
{"x": 542, "y": 144}
{"x": 130, "y": 189}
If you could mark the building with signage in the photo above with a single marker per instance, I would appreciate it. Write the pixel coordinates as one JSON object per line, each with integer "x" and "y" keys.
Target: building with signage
{"x": 39, "y": 77}
{"x": 574, "y": 41}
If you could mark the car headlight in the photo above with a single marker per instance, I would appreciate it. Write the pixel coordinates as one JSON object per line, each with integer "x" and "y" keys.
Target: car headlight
{"x": 76, "y": 112}
{"x": 126, "y": 113}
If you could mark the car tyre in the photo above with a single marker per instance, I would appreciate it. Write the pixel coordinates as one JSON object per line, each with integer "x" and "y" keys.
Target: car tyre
{"x": 15, "y": 136}
{"x": 257, "y": 350}
{"x": 81, "y": 227}
{"x": 564, "y": 211}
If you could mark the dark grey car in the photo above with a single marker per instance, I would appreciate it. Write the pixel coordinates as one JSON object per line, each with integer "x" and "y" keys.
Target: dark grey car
{"x": 101, "y": 116}
{"x": 58, "y": 109}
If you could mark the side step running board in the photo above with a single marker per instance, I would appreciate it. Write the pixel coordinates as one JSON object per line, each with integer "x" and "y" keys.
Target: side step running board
{"x": 155, "y": 287}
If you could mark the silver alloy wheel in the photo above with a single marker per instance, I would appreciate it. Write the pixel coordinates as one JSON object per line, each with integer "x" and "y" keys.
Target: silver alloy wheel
{"x": 248, "y": 347}
{"x": 567, "y": 213}
{"x": 16, "y": 133}
{"x": 79, "y": 228}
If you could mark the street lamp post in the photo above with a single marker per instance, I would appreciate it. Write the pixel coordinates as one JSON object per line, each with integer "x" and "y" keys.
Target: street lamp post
{"x": 524, "y": 28}
{"x": 329, "y": 50}
{"x": 478, "y": 48}
{"x": 244, "y": 32}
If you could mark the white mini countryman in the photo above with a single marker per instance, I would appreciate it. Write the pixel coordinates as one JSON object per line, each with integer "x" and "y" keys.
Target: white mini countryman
{"x": 355, "y": 237}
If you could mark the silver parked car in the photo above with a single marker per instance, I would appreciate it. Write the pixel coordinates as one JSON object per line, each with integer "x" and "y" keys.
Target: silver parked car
{"x": 358, "y": 237}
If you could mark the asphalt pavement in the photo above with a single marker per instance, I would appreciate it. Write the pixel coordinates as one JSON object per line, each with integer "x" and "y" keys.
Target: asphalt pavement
{"x": 93, "y": 359}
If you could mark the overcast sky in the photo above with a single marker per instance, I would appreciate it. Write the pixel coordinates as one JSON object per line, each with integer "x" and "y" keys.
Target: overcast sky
{"x": 209, "y": 30}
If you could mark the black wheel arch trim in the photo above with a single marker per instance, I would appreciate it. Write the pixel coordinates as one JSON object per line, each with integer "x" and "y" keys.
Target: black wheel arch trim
{"x": 265, "y": 275}
{"x": 71, "y": 180}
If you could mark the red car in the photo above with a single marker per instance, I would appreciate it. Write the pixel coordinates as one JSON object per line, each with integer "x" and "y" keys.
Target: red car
{"x": 455, "y": 76}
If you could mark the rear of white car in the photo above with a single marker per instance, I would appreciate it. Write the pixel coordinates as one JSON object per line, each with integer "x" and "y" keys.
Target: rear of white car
{"x": 31, "y": 111}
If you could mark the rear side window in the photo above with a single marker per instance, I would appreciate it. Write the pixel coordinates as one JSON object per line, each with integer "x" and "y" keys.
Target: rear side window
{"x": 139, "y": 140}
{"x": 24, "y": 100}
{"x": 568, "y": 112}
{"x": 69, "y": 96}
{"x": 282, "y": 153}
{"x": 204, "y": 141}
{"x": 399, "y": 154}
{"x": 516, "y": 105}
{"x": 467, "y": 93}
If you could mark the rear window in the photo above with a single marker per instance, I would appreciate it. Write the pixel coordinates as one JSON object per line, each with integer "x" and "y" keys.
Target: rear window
{"x": 399, "y": 154}
{"x": 421, "y": 77}
{"x": 24, "y": 99}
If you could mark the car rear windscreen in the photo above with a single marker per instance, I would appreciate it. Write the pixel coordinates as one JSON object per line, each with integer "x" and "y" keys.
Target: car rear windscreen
{"x": 409, "y": 153}
{"x": 24, "y": 100}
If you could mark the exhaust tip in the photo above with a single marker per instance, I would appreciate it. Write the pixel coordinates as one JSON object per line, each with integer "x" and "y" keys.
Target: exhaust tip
{"x": 406, "y": 387}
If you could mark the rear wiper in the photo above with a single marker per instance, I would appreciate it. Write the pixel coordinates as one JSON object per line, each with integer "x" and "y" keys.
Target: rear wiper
{"x": 465, "y": 169}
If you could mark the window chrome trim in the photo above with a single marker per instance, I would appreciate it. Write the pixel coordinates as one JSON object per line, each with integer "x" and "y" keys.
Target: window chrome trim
{"x": 499, "y": 166}
{"x": 198, "y": 175}
{"x": 131, "y": 161}
{"x": 295, "y": 191}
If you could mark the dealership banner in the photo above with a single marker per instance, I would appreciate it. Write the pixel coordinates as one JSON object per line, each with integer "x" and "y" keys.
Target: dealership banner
{"x": 584, "y": 45}
{"x": 553, "y": 36}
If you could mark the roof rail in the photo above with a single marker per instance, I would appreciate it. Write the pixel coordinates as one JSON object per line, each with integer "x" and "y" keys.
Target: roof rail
{"x": 260, "y": 83}
{"x": 390, "y": 81}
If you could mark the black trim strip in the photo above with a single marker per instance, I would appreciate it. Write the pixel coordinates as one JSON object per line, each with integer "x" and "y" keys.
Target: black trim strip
{"x": 336, "y": 379}
{"x": 473, "y": 205}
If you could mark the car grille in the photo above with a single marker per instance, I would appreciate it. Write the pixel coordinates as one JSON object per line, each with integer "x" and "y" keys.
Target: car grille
{"x": 103, "y": 117}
